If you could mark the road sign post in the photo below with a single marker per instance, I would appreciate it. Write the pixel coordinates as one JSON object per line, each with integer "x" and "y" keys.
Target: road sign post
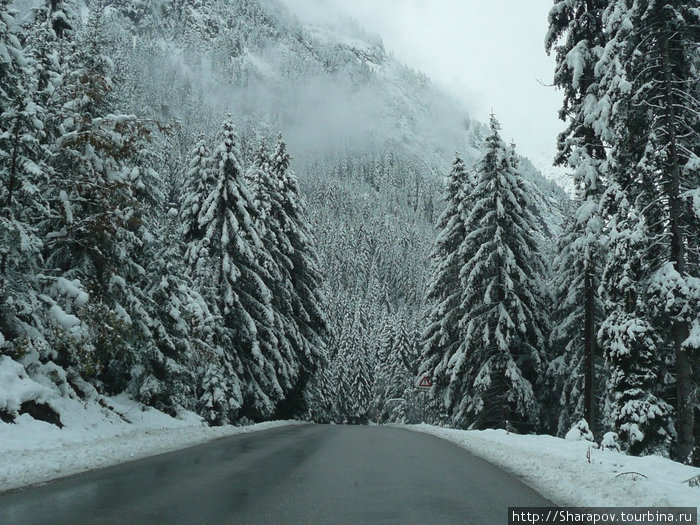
{"x": 424, "y": 385}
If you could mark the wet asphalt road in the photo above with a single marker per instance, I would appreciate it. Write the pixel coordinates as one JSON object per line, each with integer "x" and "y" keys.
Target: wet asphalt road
{"x": 306, "y": 474}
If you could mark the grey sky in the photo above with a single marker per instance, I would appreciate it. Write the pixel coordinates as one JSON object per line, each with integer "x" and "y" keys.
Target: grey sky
{"x": 489, "y": 53}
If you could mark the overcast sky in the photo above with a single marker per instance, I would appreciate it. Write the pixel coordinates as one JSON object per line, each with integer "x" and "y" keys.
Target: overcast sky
{"x": 489, "y": 53}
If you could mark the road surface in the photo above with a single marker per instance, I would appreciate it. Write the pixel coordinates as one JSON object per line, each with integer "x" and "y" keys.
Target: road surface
{"x": 302, "y": 474}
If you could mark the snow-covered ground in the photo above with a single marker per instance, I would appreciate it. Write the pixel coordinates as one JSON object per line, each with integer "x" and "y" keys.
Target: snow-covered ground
{"x": 560, "y": 469}
{"x": 95, "y": 430}
{"x": 93, "y": 437}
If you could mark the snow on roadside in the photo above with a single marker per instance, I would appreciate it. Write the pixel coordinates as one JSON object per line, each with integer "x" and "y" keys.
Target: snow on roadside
{"x": 93, "y": 437}
{"x": 559, "y": 469}
{"x": 80, "y": 429}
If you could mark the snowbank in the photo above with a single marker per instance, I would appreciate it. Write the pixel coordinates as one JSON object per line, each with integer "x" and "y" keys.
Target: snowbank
{"x": 16, "y": 387}
{"x": 96, "y": 436}
{"x": 54, "y": 424}
{"x": 560, "y": 470}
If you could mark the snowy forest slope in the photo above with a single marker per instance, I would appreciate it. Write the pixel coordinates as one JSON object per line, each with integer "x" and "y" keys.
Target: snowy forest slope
{"x": 370, "y": 139}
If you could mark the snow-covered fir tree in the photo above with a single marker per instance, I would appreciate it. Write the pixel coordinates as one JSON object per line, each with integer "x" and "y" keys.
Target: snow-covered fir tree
{"x": 272, "y": 225}
{"x": 357, "y": 392}
{"x": 341, "y": 377}
{"x": 219, "y": 396}
{"x": 493, "y": 375}
{"x": 22, "y": 185}
{"x": 632, "y": 345}
{"x": 199, "y": 181}
{"x": 651, "y": 83}
{"x": 92, "y": 237}
{"x": 395, "y": 375}
{"x": 360, "y": 387}
{"x": 320, "y": 396}
{"x": 576, "y": 35}
{"x": 307, "y": 299}
{"x": 573, "y": 369}
{"x": 237, "y": 280}
{"x": 383, "y": 374}
{"x": 177, "y": 311}
{"x": 442, "y": 335}
{"x": 168, "y": 379}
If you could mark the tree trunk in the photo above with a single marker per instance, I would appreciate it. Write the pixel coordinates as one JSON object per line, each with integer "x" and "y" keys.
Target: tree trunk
{"x": 680, "y": 330}
{"x": 12, "y": 181}
{"x": 589, "y": 342}
{"x": 684, "y": 388}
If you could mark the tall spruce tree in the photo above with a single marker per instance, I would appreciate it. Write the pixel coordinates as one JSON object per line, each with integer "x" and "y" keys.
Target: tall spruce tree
{"x": 357, "y": 394}
{"x": 341, "y": 373}
{"x": 651, "y": 81}
{"x": 320, "y": 396}
{"x": 573, "y": 369}
{"x": 576, "y": 36}
{"x": 442, "y": 336}
{"x": 494, "y": 373}
{"x": 169, "y": 357}
{"x": 219, "y": 382}
{"x": 308, "y": 300}
{"x": 168, "y": 380}
{"x": 632, "y": 345}
{"x": 272, "y": 225}
{"x": 23, "y": 177}
{"x": 93, "y": 233}
{"x": 199, "y": 181}
{"x": 237, "y": 279}
{"x": 395, "y": 374}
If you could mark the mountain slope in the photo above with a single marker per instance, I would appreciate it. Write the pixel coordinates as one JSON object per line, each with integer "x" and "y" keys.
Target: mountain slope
{"x": 371, "y": 141}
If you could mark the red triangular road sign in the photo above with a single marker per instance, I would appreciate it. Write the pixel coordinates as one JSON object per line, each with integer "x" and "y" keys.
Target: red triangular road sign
{"x": 425, "y": 382}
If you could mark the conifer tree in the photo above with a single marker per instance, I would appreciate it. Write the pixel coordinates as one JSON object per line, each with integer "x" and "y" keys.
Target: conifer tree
{"x": 199, "y": 182}
{"x": 361, "y": 386}
{"x": 404, "y": 346}
{"x": 385, "y": 340}
{"x": 442, "y": 336}
{"x": 93, "y": 238}
{"x": 576, "y": 35}
{"x": 237, "y": 280}
{"x": 23, "y": 176}
{"x": 272, "y": 225}
{"x": 651, "y": 83}
{"x": 493, "y": 375}
{"x": 632, "y": 345}
{"x": 341, "y": 367}
{"x": 218, "y": 394}
{"x": 573, "y": 368}
{"x": 395, "y": 373}
{"x": 357, "y": 394}
{"x": 381, "y": 372}
{"x": 167, "y": 381}
{"x": 319, "y": 396}
{"x": 308, "y": 300}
